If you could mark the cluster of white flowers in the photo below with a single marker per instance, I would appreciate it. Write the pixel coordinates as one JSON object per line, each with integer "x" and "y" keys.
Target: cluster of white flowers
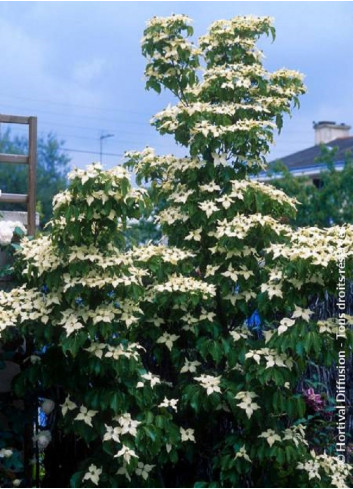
{"x": 152, "y": 379}
{"x": 171, "y": 215}
{"x": 240, "y": 333}
{"x": 7, "y": 229}
{"x": 92, "y": 280}
{"x": 298, "y": 313}
{"x": 62, "y": 199}
{"x": 331, "y": 325}
{"x": 95, "y": 170}
{"x": 111, "y": 181}
{"x": 210, "y": 383}
{"x": 240, "y": 187}
{"x": 223, "y": 36}
{"x": 232, "y": 76}
{"x": 169, "y": 54}
{"x": 333, "y": 467}
{"x": 179, "y": 283}
{"x": 296, "y": 434}
{"x": 240, "y": 225}
{"x": 273, "y": 358}
{"x": 319, "y": 247}
{"x": 247, "y": 403}
{"x": 22, "y": 304}
{"x": 168, "y": 254}
{"x": 41, "y": 254}
{"x": 101, "y": 350}
{"x": 167, "y": 22}
{"x": 127, "y": 425}
{"x": 207, "y": 129}
{"x": 169, "y": 166}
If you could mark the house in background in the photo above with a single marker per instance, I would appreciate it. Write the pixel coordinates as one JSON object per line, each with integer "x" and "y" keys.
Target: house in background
{"x": 304, "y": 163}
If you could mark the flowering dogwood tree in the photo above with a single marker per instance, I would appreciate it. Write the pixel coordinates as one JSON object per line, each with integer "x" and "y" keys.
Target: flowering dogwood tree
{"x": 177, "y": 365}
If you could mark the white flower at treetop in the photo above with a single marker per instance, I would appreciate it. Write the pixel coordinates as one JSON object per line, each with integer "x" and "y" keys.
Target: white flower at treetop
{"x": 210, "y": 383}
{"x": 86, "y": 415}
{"x": 187, "y": 434}
{"x": 93, "y": 474}
{"x": 126, "y": 453}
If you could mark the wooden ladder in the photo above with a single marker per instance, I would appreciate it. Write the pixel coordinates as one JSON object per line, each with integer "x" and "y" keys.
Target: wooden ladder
{"x": 31, "y": 161}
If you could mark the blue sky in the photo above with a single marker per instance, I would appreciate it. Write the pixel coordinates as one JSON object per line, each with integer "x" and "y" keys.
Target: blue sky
{"x": 78, "y": 67}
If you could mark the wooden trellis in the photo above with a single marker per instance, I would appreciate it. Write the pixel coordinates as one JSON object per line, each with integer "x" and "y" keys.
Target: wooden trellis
{"x": 31, "y": 160}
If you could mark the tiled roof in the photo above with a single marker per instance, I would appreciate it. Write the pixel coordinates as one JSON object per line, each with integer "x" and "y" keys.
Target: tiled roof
{"x": 306, "y": 157}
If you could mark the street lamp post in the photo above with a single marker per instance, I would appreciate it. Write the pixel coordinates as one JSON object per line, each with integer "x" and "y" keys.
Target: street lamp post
{"x": 101, "y": 137}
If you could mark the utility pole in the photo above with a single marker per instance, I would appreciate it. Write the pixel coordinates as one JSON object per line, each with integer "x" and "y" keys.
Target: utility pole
{"x": 101, "y": 138}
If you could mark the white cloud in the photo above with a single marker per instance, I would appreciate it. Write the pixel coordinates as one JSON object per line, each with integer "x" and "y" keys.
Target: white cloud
{"x": 85, "y": 72}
